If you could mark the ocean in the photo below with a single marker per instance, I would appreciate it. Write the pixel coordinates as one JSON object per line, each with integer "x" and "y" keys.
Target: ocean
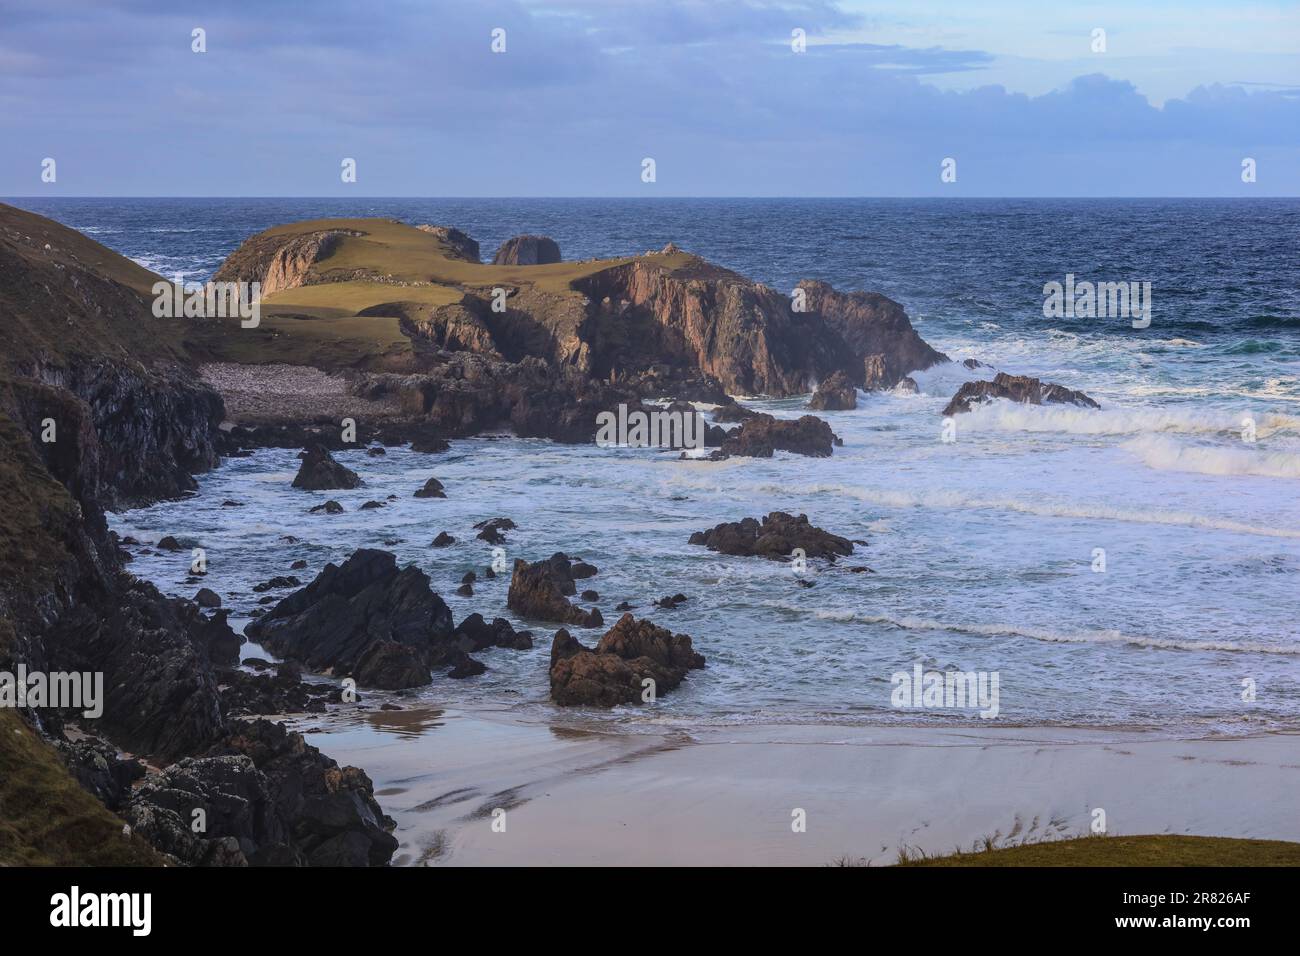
{"x": 984, "y": 552}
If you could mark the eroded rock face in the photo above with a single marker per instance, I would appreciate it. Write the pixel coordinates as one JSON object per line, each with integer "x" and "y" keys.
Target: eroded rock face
{"x": 342, "y": 623}
{"x": 527, "y": 251}
{"x": 320, "y": 472}
{"x": 836, "y": 394}
{"x": 876, "y": 330}
{"x": 458, "y": 244}
{"x": 1017, "y": 388}
{"x": 279, "y": 261}
{"x": 540, "y": 591}
{"x": 615, "y": 672}
{"x": 775, "y": 537}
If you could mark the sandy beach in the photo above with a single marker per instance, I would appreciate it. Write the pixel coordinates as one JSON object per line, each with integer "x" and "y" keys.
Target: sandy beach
{"x": 729, "y": 795}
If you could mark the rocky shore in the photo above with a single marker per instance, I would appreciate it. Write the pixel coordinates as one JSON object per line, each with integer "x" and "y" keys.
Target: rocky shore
{"x": 103, "y": 407}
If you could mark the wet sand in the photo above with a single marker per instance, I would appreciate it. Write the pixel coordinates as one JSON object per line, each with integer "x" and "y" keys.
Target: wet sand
{"x": 729, "y": 796}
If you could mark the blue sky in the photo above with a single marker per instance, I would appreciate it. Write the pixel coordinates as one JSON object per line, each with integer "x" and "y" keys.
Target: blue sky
{"x": 710, "y": 89}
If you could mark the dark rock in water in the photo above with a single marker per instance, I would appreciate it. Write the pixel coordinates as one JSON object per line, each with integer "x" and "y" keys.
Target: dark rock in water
{"x": 488, "y": 572}
{"x": 590, "y": 595}
{"x": 775, "y": 537}
{"x": 281, "y": 692}
{"x": 391, "y": 665}
{"x": 527, "y": 251}
{"x": 443, "y": 540}
{"x": 466, "y": 666}
{"x": 861, "y": 569}
{"x": 1016, "y": 388}
{"x": 612, "y": 674}
{"x": 469, "y": 577}
{"x": 465, "y": 590}
{"x": 804, "y": 583}
{"x": 735, "y": 412}
{"x": 330, "y": 507}
{"x": 623, "y": 606}
{"x": 231, "y": 504}
{"x": 837, "y": 393}
{"x": 206, "y": 597}
{"x": 375, "y": 451}
{"x": 762, "y": 435}
{"x": 432, "y": 489}
{"x": 581, "y": 569}
{"x": 268, "y": 798}
{"x": 671, "y": 601}
{"x": 490, "y": 530}
{"x": 371, "y": 505}
{"x": 540, "y": 591}
{"x": 429, "y": 444}
{"x": 595, "y": 618}
{"x": 320, "y": 472}
{"x": 298, "y": 565}
{"x": 907, "y": 385}
{"x": 475, "y": 634}
{"x": 280, "y": 581}
{"x": 169, "y": 543}
{"x": 331, "y": 624}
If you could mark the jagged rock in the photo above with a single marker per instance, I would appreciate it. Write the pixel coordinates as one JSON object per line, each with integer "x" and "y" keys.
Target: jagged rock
{"x": 388, "y": 664}
{"x": 1015, "y": 388}
{"x": 276, "y": 583}
{"x": 101, "y": 770}
{"x": 320, "y": 472}
{"x": 466, "y": 666}
{"x": 330, "y": 625}
{"x": 465, "y": 590}
{"x": 527, "y": 251}
{"x": 671, "y": 601}
{"x": 762, "y": 435}
{"x": 539, "y": 591}
{"x": 613, "y": 673}
{"x": 775, "y": 537}
{"x": 836, "y": 393}
{"x": 432, "y": 489}
{"x": 279, "y": 261}
{"x": 281, "y": 692}
{"x": 443, "y": 540}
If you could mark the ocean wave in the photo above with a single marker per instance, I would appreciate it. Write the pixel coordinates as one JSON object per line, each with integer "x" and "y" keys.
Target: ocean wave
{"x": 1011, "y": 416}
{"x": 1166, "y": 454}
{"x": 960, "y": 501}
{"x": 911, "y": 623}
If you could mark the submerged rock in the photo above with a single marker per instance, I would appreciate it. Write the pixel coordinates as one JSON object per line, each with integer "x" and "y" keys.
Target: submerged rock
{"x": 615, "y": 672}
{"x": 775, "y": 537}
{"x": 1016, "y": 388}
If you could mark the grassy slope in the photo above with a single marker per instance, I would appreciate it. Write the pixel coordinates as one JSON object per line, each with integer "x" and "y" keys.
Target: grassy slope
{"x": 1131, "y": 851}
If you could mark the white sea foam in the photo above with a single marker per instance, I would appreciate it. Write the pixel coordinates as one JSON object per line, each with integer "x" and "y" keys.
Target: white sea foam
{"x": 911, "y": 623}
{"x": 1068, "y": 419}
{"x": 1166, "y": 454}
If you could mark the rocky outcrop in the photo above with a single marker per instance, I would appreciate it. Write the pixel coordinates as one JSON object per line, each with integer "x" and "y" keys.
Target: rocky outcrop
{"x": 280, "y": 260}
{"x": 762, "y": 435}
{"x": 876, "y": 330}
{"x": 540, "y": 591}
{"x": 527, "y": 251}
{"x": 836, "y": 394}
{"x": 475, "y": 634}
{"x": 775, "y": 537}
{"x": 263, "y": 797}
{"x": 457, "y": 244}
{"x": 432, "y": 489}
{"x": 1016, "y": 388}
{"x": 320, "y": 472}
{"x": 616, "y": 672}
{"x": 366, "y": 619}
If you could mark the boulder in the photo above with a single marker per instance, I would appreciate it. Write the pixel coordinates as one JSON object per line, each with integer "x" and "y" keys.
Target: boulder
{"x": 835, "y": 394}
{"x": 775, "y": 537}
{"x": 527, "y": 251}
{"x": 615, "y": 671}
{"x": 320, "y": 472}
{"x": 540, "y": 591}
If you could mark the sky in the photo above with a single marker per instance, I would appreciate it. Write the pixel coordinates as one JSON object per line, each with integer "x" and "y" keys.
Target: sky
{"x": 1024, "y": 98}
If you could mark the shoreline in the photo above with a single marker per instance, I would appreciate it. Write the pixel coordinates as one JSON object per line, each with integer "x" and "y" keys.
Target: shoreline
{"x": 728, "y": 795}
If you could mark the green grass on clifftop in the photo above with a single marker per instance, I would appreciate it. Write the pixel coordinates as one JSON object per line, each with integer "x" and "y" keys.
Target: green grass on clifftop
{"x": 1129, "y": 851}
